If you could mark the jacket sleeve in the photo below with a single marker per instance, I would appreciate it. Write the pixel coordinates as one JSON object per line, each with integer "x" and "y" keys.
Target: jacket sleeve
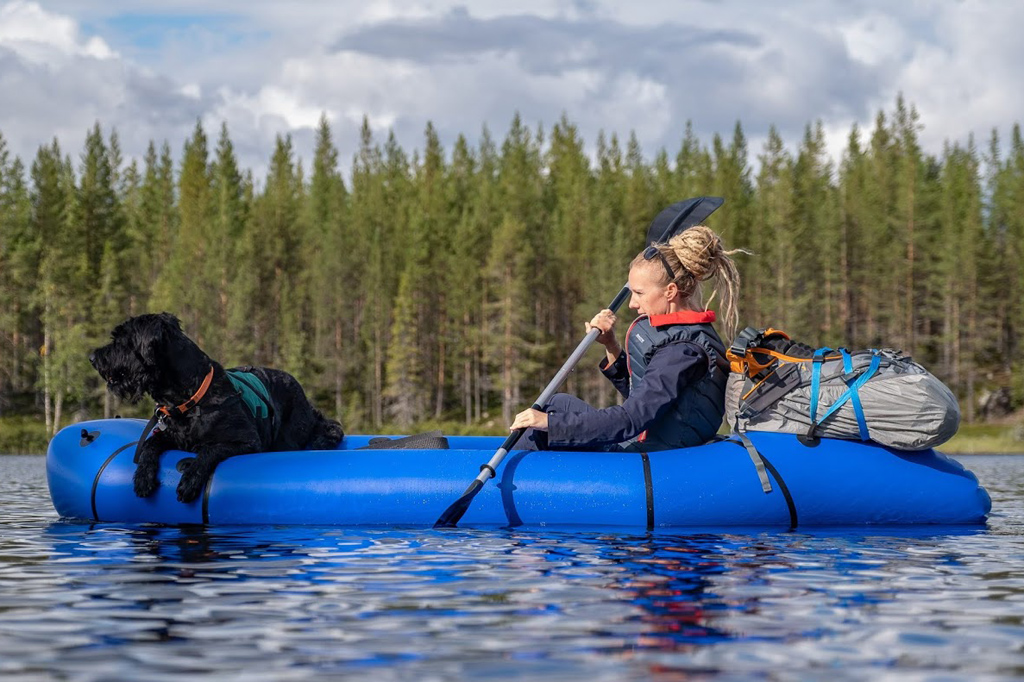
{"x": 617, "y": 373}
{"x": 669, "y": 372}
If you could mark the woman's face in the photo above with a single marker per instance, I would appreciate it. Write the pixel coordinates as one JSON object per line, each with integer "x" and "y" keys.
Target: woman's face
{"x": 650, "y": 297}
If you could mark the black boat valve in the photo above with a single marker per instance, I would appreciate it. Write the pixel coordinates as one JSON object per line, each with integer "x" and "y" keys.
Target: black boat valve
{"x": 88, "y": 437}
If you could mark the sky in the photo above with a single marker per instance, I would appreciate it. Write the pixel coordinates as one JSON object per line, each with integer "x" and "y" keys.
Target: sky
{"x": 152, "y": 69}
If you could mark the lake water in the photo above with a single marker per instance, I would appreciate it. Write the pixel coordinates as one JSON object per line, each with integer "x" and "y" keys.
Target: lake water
{"x": 115, "y": 602}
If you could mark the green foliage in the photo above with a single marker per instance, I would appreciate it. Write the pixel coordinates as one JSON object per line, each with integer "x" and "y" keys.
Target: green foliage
{"x": 22, "y": 436}
{"x": 986, "y": 439}
{"x": 445, "y": 286}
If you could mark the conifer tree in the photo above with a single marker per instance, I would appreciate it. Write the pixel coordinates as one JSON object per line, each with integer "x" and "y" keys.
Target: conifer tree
{"x": 19, "y": 263}
{"x": 335, "y": 253}
{"x": 815, "y": 260}
{"x": 153, "y": 229}
{"x": 130, "y": 199}
{"x": 279, "y": 229}
{"x": 98, "y": 222}
{"x": 183, "y": 286}
{"x": 639, "y": 204}
{"x": 607, "y": 227}
{"x": 960, "y": 219}
{"x": 854, "y": 219}
{"x": 509, "y": 313}
{"x": 881, "y": 237}
{"x": 464, "y": 305}
{"x": 66, "y": 279}
{"x": 370, "y": 223}
{"x": 245, "y": 290}
{"x": 474, "y": 187}
{"x": 227, "y": 224}
{"x": 732, "y": 179}
{"x": 1014, "y": 254}
{"x": 694, "y": 172}
{"x": 909, "y": 176}
{"x": 415, "y": 358}
{"x": 572, "y": 243}
{"x": 517, "y": 262}
{"x": 767, "y": 286}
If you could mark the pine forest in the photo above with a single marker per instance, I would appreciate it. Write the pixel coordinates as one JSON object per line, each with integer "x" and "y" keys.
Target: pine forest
{"x": 442, "y": 287}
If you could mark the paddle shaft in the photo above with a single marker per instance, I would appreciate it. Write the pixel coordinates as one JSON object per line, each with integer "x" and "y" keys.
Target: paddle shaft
{"x": 488, "y": 470}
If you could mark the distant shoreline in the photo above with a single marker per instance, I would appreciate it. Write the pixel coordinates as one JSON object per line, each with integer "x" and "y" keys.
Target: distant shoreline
{"x": 26, "y": 436}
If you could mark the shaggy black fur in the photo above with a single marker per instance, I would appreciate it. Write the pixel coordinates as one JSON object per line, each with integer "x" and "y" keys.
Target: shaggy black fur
{"x": 150, "y": 354}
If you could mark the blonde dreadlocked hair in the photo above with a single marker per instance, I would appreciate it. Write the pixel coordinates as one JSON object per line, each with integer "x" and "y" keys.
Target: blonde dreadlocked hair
{"x": 696, "y": 255}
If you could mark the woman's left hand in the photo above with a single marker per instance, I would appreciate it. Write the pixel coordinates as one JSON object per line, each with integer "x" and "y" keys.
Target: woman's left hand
{"x": 530, "y": 418}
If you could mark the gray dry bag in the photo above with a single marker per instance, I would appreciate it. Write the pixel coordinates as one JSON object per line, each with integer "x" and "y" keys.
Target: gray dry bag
{"x": 879, "y": 395}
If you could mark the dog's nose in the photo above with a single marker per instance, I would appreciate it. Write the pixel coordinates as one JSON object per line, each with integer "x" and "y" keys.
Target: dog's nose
{"x": 92, "y": 358}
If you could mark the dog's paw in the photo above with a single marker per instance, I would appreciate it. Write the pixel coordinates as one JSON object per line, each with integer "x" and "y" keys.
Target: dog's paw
{"x": 191, "y": 484}
{"x": 146, "y": 481}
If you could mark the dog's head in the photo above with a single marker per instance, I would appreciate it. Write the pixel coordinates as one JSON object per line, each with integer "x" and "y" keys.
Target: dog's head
{"x": 132, "y": 363}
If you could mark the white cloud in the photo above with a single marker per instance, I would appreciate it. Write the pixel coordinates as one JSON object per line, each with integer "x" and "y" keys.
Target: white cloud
{"x": 648, "y": 66}
{"x": 40, "y": 37}
{"x": 58, "y": 82}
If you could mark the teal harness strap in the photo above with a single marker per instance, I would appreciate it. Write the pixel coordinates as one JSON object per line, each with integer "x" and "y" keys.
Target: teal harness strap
{"x": 252, "y": 392}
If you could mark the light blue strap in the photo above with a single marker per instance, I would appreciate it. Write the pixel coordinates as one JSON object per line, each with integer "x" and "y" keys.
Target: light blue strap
{"x": 851, "y": 393}
{"x": 858, "y": 411}
{"x": 819, "y": 355}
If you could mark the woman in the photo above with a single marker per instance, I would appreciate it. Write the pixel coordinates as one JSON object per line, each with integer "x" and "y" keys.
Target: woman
{"x": 672, "y": 372}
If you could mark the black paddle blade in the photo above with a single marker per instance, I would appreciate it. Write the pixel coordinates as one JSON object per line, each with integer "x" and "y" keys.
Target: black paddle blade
{"x": 453, "y": 514}
{"x": 681, "y": 215}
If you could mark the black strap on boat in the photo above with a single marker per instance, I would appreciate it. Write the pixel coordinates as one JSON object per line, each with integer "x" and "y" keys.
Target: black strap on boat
{"x": 764, "y": 467}
{"x": 507, "y": 487}
{"x": 785, "y": 493}
{"x": 145, "y": 433}
{"x": 649, "y": 489}
{"x": 206, "y": 497}
{"x": 430, "y": 440}
{"x": 96, "y": 479}
{"x": 755, "y": 457}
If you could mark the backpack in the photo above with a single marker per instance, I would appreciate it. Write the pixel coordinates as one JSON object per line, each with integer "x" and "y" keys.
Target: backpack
{"x": 777, "y": 384}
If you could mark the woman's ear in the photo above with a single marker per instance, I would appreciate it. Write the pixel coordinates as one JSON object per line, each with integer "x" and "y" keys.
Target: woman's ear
{"x": 671, "y": 291}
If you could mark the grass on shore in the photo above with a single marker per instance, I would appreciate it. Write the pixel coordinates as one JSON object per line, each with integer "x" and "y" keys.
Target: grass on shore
{"x": 976, "y": 439}
{"x": 22, "y": 436}
{"x": 27, "y": 435}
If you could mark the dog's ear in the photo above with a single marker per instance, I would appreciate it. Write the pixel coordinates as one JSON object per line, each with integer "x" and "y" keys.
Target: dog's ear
{"x": 170, "y": 320}
{"x": 154, "y": 334}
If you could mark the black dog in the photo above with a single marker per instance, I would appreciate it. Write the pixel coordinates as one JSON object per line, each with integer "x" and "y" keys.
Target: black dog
{"x": 199, "y": 407}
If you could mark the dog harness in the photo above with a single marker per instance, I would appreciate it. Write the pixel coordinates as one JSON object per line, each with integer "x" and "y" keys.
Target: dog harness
{"x": 252, "y": 392}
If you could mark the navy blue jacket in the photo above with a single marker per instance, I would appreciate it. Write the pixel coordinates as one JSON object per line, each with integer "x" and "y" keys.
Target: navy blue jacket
{"x": 670, "y": 371}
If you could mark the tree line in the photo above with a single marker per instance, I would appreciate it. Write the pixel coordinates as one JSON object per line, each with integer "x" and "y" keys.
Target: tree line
{"x": 445, "y": 286}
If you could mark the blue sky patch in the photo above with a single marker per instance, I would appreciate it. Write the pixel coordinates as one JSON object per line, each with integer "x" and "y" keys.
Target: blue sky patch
{"x": 145, "y": 34}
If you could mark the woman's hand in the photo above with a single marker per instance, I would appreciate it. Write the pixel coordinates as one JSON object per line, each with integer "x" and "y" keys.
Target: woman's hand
{"x": 604, "y": 322}
{"x": 530, "y": 418}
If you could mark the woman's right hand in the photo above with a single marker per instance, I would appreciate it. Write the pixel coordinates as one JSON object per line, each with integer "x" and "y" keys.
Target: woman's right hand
{"x": 604, "y": 322}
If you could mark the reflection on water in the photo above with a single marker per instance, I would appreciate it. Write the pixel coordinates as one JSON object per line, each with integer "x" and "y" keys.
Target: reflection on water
{"x": 133, "y": 602}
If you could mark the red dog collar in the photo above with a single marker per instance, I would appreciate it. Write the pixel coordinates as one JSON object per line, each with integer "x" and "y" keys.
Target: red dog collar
{"x": 196, "y": 397}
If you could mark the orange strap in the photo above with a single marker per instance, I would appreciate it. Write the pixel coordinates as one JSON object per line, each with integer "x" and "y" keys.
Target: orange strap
{"x": 196, "y": 397}
{"x": 749, "y": 364}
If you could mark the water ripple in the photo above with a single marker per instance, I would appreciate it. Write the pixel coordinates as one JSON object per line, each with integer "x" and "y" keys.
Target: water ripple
{"x": 103, "y": 601}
